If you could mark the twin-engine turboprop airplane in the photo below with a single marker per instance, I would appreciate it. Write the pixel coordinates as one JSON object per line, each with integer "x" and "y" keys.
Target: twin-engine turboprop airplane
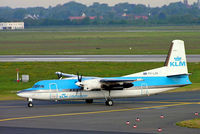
{"x": 174, "y": 74}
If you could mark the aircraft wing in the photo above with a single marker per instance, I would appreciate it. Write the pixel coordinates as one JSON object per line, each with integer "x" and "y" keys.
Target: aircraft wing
{"x": 119, "y": 80}
{"x": 117, "y": 84}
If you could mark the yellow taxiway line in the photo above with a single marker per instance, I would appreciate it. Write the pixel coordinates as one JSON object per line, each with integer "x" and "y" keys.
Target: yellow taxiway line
{"x": 10, "y": 106}
{"x": 96, "y": 112}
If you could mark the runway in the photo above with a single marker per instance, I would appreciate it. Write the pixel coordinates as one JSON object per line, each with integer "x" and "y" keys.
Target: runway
{"x": 88, "y": 58}
{"x": 76, "y": 117}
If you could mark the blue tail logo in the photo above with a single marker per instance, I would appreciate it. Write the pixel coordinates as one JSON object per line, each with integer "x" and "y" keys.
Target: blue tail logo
{"x": 177, "y": 62}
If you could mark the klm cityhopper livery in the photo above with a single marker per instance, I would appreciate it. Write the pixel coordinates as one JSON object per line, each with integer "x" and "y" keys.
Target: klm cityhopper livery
{"x": 172, "y": 75}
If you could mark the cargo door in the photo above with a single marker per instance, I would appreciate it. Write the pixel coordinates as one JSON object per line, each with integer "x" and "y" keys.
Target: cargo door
{"x": 144, "y": 89}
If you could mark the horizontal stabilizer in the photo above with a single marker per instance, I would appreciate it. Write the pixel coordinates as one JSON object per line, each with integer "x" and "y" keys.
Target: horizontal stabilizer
{"x": 178, "y": 75}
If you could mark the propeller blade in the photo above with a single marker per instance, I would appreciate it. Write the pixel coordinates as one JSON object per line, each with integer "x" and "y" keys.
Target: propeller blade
{"x": 79, "y": 77}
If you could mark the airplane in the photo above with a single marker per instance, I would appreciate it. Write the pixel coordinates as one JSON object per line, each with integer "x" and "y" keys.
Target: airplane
{"x": 172, "y": 75}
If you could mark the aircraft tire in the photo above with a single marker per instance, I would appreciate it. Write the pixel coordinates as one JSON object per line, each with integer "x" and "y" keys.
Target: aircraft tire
{"x": 109, "y": 102}
{"x": 89, "y": 101}
{"x": 30, "y": 104}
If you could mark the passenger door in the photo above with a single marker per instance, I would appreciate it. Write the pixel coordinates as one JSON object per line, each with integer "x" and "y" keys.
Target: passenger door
{"x": 53, "y": 91}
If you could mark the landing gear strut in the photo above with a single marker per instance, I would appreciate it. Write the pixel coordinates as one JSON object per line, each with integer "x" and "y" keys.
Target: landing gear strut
{"x": 109, "y": 101}
{"x": 30, "y": 102}
{"x": 89, "y": 101}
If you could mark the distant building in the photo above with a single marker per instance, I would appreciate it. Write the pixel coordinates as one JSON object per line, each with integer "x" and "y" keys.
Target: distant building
{"x": 136, "y": 17}
{"x": 125, "y": 15}
{"x": 83, "y": 17}
{"x": 11, "y": 25}
{"x": 141, "y": 17}
{"x": 185, "y": 2}
{"x": 33, "y": 17}
{"x": 76, "y": 17}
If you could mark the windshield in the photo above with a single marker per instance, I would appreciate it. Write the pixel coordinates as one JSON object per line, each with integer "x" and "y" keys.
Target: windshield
{"x": 38, "y": 86}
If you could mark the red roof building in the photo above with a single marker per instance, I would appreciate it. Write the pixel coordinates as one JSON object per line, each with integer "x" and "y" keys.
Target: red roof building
{"x": 82, "y": 17}
{"x": 76, "y": 17}
{"x": 141, "y": 17}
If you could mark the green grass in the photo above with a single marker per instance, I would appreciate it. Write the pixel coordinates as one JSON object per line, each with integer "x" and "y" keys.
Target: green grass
{"x": 95, "y": 42}
{"x": 194, "y": 123}
{"x": 115, "y": 28}
{"x": 45, "y": 70}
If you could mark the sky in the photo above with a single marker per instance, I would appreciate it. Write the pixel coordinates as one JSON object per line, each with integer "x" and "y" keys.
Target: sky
{"x": 47, "y": 3}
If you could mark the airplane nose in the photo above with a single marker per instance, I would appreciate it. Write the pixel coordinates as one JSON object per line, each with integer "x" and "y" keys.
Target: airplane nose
{"x": 26, "y": 93}
{"x": 21, "y": 93}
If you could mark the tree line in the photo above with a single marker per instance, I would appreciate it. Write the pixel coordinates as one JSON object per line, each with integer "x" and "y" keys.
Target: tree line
{"x": 122, "y": 13}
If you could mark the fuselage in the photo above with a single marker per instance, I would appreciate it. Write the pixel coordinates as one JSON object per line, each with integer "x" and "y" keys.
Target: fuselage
{"x": 173, "y": 74}
{"x": 66, "y": 89}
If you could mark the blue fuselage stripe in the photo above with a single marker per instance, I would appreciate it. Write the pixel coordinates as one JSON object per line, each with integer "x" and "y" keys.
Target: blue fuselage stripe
{"x": 147, "y": 81}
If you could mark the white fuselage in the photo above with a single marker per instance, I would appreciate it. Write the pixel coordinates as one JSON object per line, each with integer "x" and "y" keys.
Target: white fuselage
{"x": 71, "y": 95}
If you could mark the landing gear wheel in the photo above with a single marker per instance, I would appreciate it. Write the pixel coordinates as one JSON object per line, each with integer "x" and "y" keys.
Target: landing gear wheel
{"x": 89, "y": 101}
{"x": 30, "y": 104}
{"x": 109, "y": 102}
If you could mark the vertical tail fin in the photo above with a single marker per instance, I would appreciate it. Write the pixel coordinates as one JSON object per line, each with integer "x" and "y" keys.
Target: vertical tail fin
{"x": 175, "y": 63}
{"x": 176, "y": 59}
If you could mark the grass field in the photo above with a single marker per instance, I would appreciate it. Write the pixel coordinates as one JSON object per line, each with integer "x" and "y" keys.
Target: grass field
{"x": 95, "y": 42}
{"x": 45, "y": 70}
{"x": 194, "y": 123}
{"x": 114, "y": 28}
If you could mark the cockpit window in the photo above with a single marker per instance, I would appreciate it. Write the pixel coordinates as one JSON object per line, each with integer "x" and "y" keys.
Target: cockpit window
{"x": 38, "y": 86}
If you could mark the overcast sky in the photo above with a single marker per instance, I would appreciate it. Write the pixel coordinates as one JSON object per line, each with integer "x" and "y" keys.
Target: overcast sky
{"x": 47, "y": 3}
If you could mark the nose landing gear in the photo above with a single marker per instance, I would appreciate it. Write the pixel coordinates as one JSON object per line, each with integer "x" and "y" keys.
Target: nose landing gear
{"x": 30, "y": 102}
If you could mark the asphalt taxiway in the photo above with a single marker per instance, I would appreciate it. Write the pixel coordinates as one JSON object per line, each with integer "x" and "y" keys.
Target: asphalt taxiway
{"x": 87, "y": 58}
{"x": 76, "y": 117}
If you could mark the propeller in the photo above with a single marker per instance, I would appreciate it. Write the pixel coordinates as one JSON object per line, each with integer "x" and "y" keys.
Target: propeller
{"x": 79, "y": 77}
{"x": 79, "y": 82}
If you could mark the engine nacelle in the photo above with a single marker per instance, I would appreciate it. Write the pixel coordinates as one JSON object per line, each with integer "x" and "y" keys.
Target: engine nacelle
{"x": 89, "y": 85}
{"x": 127, "y": 85}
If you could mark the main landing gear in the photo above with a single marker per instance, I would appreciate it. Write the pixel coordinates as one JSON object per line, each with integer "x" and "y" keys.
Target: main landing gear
{"x": 30, "y": 102}
{"x": 109, "y": 101}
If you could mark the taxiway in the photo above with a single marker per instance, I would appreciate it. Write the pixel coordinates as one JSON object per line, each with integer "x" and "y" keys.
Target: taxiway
{"x": 76, "y": 117}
